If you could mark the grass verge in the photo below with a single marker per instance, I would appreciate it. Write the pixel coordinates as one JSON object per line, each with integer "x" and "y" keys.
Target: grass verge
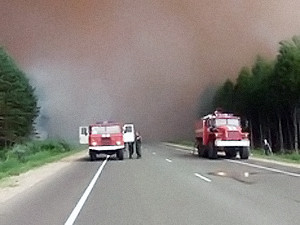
{"x": 22, "y": 158}
{"x": 288, "y": 157}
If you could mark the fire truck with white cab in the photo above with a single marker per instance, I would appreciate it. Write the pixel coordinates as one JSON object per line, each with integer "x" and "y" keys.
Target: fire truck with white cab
{"x": 103, "y": 138}
{"x": 221, "y": 132}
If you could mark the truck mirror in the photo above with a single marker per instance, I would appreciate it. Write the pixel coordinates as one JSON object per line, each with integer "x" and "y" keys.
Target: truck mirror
{"x": 246, "y": 124}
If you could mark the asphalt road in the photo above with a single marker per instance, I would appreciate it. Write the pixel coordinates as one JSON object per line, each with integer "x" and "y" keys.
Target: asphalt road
{"x": 166, "y": 186}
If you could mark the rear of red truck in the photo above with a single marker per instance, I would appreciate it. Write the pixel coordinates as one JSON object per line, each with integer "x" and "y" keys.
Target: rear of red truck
{"x": 106, "y": 138}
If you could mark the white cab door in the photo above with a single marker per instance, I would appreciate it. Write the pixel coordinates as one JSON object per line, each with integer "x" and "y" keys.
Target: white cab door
{"x": 128, "y": 133}
{"x": 84, "y": 135}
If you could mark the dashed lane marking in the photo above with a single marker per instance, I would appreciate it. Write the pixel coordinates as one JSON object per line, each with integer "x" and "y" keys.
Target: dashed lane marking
{"x": 202, "y": 177}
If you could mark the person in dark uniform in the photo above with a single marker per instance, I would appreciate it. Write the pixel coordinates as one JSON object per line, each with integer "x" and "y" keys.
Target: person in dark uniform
{"x": 130, "y": 149}
{"x": 138, "y": 145}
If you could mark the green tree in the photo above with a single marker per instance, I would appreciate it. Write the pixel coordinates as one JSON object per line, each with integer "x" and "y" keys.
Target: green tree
{"x": 18, "y": 103}
{"x": 268, "y": 95}
{"x": 286, "y": 79}
{"x": 224, "y": 96}
{"x": 242, "y": 92}
{"x": 260, "y": 106}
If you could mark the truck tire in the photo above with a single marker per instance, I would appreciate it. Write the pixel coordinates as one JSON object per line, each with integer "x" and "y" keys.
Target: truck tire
{"x": 230, "y": 153}
{"x": 120, "y": 154}
{"x": 93, "y": 156}
{"x": 244, "y": 153}
{"x": 212, "y": 151}
{"x": 202, "y": 150}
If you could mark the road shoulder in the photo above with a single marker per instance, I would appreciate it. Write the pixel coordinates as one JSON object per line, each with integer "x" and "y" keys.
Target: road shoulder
{"x": 11, "y": 186}
{"x": 188, "y": 148}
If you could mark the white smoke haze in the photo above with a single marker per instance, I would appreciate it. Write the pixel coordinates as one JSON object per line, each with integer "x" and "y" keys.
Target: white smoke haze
{"x": 150, "y": 62}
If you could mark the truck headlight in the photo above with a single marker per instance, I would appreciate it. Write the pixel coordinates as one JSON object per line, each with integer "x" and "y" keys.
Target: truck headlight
{"x": 94, "y": 143}
{"x": 218, "y": 135}
{"x": 118, "y": 142}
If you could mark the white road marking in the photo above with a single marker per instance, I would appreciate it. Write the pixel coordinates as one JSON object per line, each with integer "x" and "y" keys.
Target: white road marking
{"x": 265, "y": 168}
{"x": 202, "y": 177}
{"x": 85, "y": 195}
{"x": 153, "y": 153}
{"x": 181, "y": 150}
{"x": 169, "y": 160}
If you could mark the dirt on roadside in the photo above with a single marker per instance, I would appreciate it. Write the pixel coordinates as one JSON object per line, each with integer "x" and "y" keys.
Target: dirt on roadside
{"x": 11, "y": 186}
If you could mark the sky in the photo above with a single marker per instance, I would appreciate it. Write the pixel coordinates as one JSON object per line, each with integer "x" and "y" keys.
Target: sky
{"x": 155, "y": 63}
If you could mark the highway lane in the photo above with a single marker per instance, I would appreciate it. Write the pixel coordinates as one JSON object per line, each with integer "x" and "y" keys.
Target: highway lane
{"x": 166, "y": 186}
{"x": 49, "y": 202}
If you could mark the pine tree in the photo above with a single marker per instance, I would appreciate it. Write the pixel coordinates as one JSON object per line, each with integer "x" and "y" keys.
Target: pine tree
{"x": 18, "y": 103}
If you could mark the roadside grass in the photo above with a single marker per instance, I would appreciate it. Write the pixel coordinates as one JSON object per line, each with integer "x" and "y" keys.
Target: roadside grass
{"x": 22, "y": 158}
{"x": 259, "y": 153}
{"x": 288, "y": 157}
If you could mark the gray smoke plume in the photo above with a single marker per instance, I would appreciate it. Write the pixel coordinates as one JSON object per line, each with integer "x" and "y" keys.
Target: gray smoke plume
{"x": 150, "y": 62}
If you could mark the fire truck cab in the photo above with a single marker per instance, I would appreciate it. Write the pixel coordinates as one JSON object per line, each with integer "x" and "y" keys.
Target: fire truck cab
{"x": 221, "y": 132}
{"x": 103, "y": 138}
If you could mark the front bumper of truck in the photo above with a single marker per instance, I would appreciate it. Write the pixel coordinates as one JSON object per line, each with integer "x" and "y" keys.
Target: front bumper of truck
{"x": 106, "y": 148}
{"x": 232, "y": 143}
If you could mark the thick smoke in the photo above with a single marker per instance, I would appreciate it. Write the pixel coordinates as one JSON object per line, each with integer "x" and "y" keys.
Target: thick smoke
{"x": 148, "y": 62}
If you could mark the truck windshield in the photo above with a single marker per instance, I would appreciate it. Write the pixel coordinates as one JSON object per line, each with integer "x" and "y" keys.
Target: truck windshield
{"x": 222, "y": 122}
{"x": 106, "y": 129}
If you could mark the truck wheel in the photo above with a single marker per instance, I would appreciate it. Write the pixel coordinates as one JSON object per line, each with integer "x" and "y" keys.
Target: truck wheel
{"x": 93, "y": 156}
{"x": 203, "y": 152}
{"x": 200, "y": 152}
{"x": 120, "y": 154}
{"x": 230, "y": 153}
{"x": 244, "y": 153}
{"x": 200, "y": 148}
{"x": 212, "y": 151}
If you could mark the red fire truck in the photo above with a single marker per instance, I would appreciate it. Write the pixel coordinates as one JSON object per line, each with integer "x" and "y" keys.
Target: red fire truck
{"x": 221, "y": 132}
{"x": 103, "y": 138}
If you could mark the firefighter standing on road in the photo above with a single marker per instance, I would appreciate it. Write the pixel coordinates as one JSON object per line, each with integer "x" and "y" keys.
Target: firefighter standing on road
{"x": 130, "y": 149}
{"x": 138, "y": 143}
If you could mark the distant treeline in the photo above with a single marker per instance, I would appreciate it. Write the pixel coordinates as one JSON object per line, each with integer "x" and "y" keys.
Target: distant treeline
{"x": 267, "y": 97}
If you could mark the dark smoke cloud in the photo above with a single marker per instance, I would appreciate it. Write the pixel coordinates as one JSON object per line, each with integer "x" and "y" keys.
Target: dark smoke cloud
{"x": 145, "y": 62}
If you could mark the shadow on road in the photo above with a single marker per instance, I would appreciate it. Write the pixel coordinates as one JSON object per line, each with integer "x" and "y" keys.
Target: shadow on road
{"x": 99, "y": 158}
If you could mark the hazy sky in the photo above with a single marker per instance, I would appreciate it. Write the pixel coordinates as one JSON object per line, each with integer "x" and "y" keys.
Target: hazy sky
{"x": 151, "y": 62}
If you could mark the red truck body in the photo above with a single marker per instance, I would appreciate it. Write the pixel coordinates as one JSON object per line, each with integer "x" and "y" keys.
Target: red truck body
{"x": 221, "y": 132}
{"x": 106, "y": 138}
